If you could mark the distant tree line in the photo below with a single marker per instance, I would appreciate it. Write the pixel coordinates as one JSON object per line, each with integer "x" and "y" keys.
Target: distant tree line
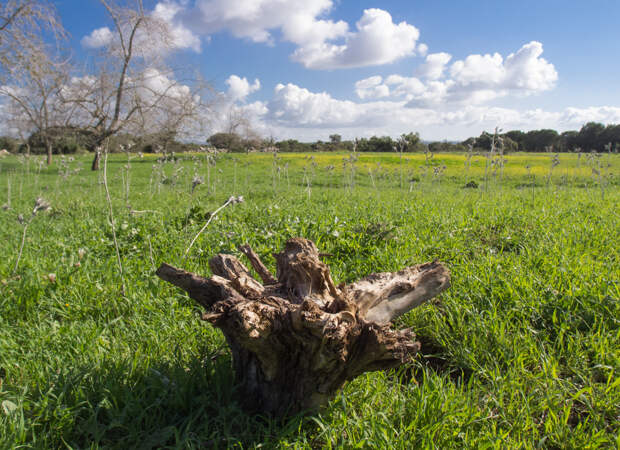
{"x": 74, "y": 140}
{"x": 592, "y": 136}
{"x": 407, "y": 143}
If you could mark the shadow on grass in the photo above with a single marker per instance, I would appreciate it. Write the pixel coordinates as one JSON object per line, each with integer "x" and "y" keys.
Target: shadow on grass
{"x": 155, "y": 404}
{"x": 432, "y": 356}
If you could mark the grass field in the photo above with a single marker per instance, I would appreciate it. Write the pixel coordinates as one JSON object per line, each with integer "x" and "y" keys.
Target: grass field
{"x": 523, "y": 349}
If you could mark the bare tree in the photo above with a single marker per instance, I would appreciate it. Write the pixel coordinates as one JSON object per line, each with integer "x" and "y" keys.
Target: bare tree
{"x": 22, "y": 23}
{"x": 235, "y": 123}
{"x": 31, "y": 75}
{"x": 18, "y": 124}
{"x": 130, "y": 89}
{"x": 173, "y": 109}
{"x": 34, "y": 93}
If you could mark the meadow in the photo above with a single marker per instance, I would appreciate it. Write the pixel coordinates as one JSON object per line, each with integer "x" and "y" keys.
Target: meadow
{"x": 523, "y": 351}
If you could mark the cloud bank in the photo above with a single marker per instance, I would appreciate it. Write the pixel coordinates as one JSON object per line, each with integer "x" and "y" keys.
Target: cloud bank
{"x": 473, "y": 80}
{"x": 296, "y": 112}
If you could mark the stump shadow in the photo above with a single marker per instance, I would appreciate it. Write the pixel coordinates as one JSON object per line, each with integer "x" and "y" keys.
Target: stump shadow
{"x": 433, "y": 356}
{"x": 167, "y": 404}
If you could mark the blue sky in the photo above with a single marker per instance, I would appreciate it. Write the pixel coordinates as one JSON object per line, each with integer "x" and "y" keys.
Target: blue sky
{"x": 447, "y": 69}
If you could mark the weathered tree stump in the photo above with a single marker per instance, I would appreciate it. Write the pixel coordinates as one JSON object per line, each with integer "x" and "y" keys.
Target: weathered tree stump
{"x": 297, "y": 339}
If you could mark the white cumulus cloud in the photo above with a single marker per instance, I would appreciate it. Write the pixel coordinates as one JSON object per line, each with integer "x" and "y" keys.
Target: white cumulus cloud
{"x": 292, "y": 104}
{"x": 371, "y": 87}
{"x": 434, "y": 65}
{"x": 98, "y": 38}
{"x": 526, "y": 70}
{"x": 239, "y": 88}
{"x": 167, "y": 32}
{"x": 154, "y": 84}
{"x": 257, "y": 19}
{"x": 181, "y": 37}
{"x": 377, "y": 41}
{"x": 482, "y": 77}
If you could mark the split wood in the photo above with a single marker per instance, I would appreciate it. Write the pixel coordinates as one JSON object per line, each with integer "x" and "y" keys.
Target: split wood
{"x": 296, "y": 339}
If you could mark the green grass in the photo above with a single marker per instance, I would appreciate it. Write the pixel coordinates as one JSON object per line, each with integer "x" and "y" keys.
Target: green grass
{"x": 524, "y": 347}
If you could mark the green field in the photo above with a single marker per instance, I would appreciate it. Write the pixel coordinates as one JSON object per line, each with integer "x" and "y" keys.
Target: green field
{"x": 523, "y": 351}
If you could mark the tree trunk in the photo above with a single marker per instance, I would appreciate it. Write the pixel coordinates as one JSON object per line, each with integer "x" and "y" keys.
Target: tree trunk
{"x": 48, "y": 147}
{"x": 297, "y": 339}
{"x": 97, "y": 157}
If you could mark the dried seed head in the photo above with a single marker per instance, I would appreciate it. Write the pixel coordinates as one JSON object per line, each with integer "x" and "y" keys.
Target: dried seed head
{"x": 232, "y": 200}
{"x": 40, "y": 205}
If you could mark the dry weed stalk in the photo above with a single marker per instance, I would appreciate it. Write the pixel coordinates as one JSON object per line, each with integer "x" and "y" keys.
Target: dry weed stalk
{"x": 231, "y": 201}
{"x": 7, "y": 205}
{"x": 111, "y": 216}
{"x": 39, "y": 205}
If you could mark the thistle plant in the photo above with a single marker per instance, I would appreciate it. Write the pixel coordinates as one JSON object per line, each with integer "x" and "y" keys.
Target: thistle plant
{"x": 274, "y": 170}
{"x": 500, "y": 161}
{"x": 598, "y": 168}
{"x": 438, "y": 172}
{"x": 400, "y": 147}
{"x": 532, "y": 178}
{"x": 555, "y": 161}
{"x": 246, "y": 171}
{"x": 372, "y": 178}
{"x": 235, "y": 161}
{"x": 490, "y": 156}
{"x": 173, "y": 178}
{"x": 7, "y": 205}
{"x": 428, "y": 163}
{"x": 412, "y": 180}
{"x": 306, "y": 180}
{"x": 309, "y": 172}
{"x": 154, "y": 176}
{"x": 349, "y": 169}
{"x": 610, "y": 148}
{"x": 64, "y": 170}
{"x": 127, "y": 169}
{"x": 288, "y": 182}
{"x": 211, "y": 162}
{"x": 469, "y": 156}
{"x": 40, "y": 205}
{"x": 330, "y": 169}
{"x": 196, "y": 181}
{"x": 40, "y": 162}
{"x": 428, "y": 156}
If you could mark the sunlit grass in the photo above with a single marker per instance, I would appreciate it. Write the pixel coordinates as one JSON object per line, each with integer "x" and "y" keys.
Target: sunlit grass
{"x": 525, "y": 345}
